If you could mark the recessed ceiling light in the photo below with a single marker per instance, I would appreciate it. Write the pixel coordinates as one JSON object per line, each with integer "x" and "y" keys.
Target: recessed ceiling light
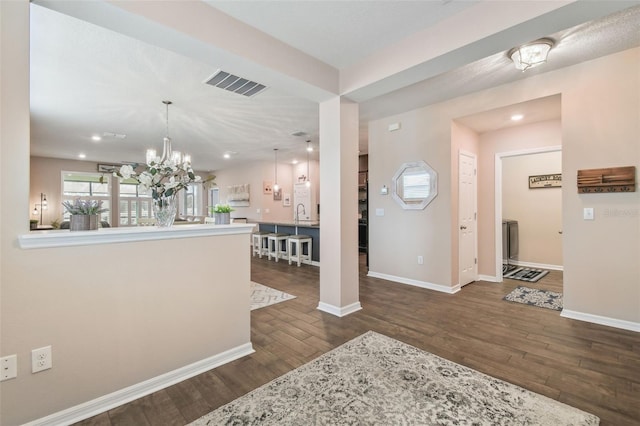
{"x": 82, "y": 155}
{"x": 294, "y": 162}
{"x": 517, "y": 117}
{"x": 227, "y": 155}
{"x": 96, "y": 138}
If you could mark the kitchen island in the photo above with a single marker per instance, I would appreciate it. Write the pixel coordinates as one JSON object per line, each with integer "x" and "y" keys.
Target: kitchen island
{"x": 301, "y": 227}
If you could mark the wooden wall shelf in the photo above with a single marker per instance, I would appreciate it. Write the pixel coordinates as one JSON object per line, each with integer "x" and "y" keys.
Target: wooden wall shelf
{"x": 612, "y": 179}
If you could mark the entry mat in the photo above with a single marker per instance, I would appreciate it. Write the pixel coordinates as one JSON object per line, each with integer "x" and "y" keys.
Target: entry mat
{"x": 526, "y": 274}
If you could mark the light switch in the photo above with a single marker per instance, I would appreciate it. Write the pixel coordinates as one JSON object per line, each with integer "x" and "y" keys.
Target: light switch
{"x": 587, "y": 213}
{"x": 379, "y": 212}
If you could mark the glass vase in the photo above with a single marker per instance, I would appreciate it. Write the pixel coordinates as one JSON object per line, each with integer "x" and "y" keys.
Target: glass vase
{"x": 164, "y": 210}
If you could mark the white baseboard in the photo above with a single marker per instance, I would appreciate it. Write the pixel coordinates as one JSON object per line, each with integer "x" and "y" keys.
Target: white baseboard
{"x": 107, "y": 402}
{"x": 597, "y": 319}
{"x": 416, "y": 283}
{"x": 537, "y": 265}
{"x": 490, "y": 278}
{"x": 339, "y": 311}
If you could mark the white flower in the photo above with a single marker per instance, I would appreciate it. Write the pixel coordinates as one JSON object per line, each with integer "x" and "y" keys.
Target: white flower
{"x": 145, "y": 179}
{"x": 171, "y": 184}
{"x": 126, "y": 171}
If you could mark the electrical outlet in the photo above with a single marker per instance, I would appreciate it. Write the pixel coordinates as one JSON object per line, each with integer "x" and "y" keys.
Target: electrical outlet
{"x": 41, "y": 359}
{"x": 8, "y": 367}
{"x": 420, "y": 260}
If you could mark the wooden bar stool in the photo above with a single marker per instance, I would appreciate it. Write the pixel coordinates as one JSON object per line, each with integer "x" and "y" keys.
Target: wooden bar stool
{"x": 296, "y": 243}
{"x": 260, "y": 243}
{"x": 274, "y": 245}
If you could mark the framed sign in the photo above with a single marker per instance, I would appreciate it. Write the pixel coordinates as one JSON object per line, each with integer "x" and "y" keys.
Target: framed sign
{"x": 545, "y": 181}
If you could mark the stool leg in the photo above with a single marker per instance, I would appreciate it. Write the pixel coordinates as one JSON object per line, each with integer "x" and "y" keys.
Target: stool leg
{"x": 289, "y": 249}
{"x": 299, "y": 247}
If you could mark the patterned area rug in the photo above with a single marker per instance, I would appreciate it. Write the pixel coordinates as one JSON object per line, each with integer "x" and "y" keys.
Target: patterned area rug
{"x": 534, "y": 297}
{"x": 262, "y": 296}
{"x": 376, "y": 380}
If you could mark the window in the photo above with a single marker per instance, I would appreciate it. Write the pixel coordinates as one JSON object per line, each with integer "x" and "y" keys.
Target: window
{"x": 191, "y": 200}
{"x": 87, "y": 186}
{"x": 133, "y": 204}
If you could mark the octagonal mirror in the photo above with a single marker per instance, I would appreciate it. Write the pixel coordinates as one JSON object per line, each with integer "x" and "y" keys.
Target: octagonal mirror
{"x": 415, "y": 185}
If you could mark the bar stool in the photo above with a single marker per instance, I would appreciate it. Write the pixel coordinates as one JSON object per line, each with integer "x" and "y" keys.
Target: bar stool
{"x": 260, "y": 243}
{"x": 299, "y": 241}
{"x": 274, "y": 245}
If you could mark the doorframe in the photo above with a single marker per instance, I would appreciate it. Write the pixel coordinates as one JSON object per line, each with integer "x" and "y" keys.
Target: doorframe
{"x": 475, "y": 209}
{"x": 498, "y": 196}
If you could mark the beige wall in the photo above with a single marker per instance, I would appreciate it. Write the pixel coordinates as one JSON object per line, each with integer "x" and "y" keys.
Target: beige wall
{"x": 600, "y": 127}
{"x": 255, "y": 174}
{"x": 530, "y": 137}
{"x": 114, "y": 314}
{"x": 538, "y": 211}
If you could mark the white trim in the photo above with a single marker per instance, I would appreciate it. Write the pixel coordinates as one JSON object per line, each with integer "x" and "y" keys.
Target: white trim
{"x": 597, "y": 319}
{"x": 490, "y": 278}
{"x": 339, "y": 311}
{"x": 128, "y": 394}
{"x": 66, "y": 238}
{"x": 498, "y": 196}
{"x": 473, "y": 156}
{"x": 538, "y": 265}
{"x": 416, "y": 283}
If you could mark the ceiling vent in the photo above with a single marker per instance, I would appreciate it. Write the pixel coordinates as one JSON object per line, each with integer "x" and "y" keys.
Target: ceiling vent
{"x": 235, "y": 84}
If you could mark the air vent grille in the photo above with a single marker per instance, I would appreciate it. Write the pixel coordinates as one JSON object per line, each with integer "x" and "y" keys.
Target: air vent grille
{"x": 235, "y": 84}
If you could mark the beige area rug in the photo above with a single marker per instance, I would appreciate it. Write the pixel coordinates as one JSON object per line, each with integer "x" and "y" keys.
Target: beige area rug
{"x": 376, "y": 380}
{"x": 262, "y": 296}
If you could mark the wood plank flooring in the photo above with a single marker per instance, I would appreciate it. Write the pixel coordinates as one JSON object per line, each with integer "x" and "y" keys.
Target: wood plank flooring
{"x": 592, "y": 367}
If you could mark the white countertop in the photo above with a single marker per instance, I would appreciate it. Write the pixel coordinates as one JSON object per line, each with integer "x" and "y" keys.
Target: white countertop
{"x": 66, "y": 238}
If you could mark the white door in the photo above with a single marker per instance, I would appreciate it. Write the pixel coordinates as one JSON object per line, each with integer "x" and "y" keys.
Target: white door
{"x": 467, "y": 219}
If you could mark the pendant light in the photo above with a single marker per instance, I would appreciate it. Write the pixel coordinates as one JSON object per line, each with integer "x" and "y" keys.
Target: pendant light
{"x": 168, "y": 154}
{"x": 276, "y": 187}
{"x": 309, "y": 149}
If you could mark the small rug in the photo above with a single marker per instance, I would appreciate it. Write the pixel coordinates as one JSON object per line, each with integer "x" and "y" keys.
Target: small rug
{"x": 534, "y": 297}
{"x": 262, "y": 296}
{"x": 376, "y": 380}
{"x": 526, "y": 274}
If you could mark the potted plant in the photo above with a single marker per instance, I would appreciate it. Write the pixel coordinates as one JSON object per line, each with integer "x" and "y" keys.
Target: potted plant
{"x": 33, "y": 224}
{"x": 222, "y": 213}
{"x": 85, "y": 214}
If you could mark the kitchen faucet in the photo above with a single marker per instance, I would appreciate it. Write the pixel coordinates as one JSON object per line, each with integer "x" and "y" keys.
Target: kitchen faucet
{"x": 298, "y": 211}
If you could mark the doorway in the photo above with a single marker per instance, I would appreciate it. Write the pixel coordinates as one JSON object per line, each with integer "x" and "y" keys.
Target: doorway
{"x": 467, "y": 218}
{"x": 541, "y": 217}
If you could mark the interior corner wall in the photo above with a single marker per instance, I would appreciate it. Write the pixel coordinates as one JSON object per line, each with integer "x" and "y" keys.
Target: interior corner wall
{"x": 600, "y": 128}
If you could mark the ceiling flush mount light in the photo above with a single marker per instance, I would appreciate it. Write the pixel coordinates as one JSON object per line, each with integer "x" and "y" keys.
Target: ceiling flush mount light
{"x": 168, "y": 154}
{"x": 531, "y": 54}
{"x": 517, "y": 117}
{"x": 275, "y": 185}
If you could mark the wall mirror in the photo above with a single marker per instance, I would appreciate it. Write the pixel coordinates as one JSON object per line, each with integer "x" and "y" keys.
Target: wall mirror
{"x": 415, "y": 185}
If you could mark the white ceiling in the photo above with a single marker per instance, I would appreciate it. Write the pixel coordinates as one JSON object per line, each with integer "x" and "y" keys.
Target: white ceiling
{"x": 89, "y": 80}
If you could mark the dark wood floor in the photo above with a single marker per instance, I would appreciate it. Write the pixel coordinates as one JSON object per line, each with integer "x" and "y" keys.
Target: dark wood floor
{"x": 592, "y": 367}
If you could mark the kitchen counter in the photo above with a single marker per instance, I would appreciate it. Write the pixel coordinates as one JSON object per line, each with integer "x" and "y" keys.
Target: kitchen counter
{"x": 300, "y": 223}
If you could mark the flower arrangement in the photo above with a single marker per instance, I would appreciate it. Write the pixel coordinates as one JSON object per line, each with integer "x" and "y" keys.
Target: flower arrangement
{"x": 164, "y": 179}
{"x": 84, "y": 207}
{"x": 221, "y": 208}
